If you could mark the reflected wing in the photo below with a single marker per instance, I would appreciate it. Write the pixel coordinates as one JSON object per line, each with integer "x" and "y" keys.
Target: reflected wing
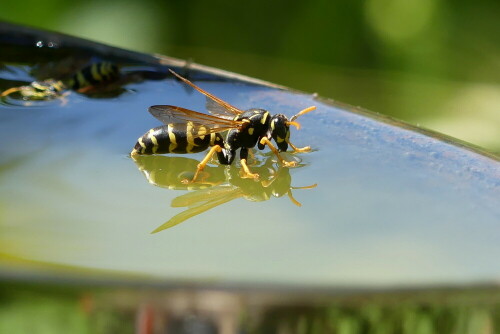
{"x": 227, "y": 108}
{"x": 177, "y": 115}
{"x": 198, "y": 206}
{"x": 194, "y": 198}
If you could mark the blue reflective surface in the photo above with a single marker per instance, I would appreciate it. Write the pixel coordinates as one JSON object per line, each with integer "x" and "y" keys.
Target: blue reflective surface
{"x": 391, "y": 206}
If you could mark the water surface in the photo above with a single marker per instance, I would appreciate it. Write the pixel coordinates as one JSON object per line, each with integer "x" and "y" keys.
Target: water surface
{"x": 392, "y": 206}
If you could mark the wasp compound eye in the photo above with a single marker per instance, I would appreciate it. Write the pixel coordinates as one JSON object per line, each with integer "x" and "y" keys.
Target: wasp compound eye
{"x": 280, "y": 131}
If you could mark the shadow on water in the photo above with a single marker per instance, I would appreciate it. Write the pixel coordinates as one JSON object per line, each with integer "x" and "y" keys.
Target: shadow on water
{"x": 217, "y": 185}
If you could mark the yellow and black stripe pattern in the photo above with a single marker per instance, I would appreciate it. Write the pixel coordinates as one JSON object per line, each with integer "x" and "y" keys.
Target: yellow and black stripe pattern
{"x": 176, "y": 138}
{"x": 93, "y": 75}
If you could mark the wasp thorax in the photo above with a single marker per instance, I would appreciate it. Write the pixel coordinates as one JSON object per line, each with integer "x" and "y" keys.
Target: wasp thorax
{"x": 280, "y": 131}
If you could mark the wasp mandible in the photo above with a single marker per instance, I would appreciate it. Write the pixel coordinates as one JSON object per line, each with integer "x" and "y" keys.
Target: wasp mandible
{"x": 188, "y": 131}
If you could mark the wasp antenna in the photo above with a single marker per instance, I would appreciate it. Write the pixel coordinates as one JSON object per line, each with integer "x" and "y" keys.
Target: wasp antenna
{"x": 294, "y": 201}
{"x": 296, "y": 124}
{"x": 302, "y": 112}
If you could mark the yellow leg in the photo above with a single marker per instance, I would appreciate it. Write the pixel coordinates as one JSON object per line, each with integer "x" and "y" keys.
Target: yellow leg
{"x": 10, "y": 91}
{"x": 203, "y": 163}
{"x": 299, "y": 150}
{"x": 246, "y": 171}
{"x": 265, "y": 141}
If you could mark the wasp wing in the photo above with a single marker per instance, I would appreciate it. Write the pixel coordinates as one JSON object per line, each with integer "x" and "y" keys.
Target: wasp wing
{"x": 228, "y": 109}
{"x": 217, "y": 110}
{"x": 177, "y": 115}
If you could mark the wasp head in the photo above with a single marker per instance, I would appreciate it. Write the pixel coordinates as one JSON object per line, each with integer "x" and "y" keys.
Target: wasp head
{"x": 280, "y": 127}
{"x": 280, "y": 131}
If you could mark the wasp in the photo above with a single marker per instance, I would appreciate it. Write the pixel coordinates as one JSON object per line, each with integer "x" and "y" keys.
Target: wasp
{"x": 93, "y": 75}
{"x": 81, "y": 81}
{"x": 188, "y": 131}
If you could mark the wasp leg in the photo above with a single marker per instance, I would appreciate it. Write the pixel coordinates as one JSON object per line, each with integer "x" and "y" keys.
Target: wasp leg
{"x": 246, "y": 171}
{"x": 11, "y": 90}
{"x": 299, "y": 150}
{"x": 246, "y": 174}
{"x": 265, "y": 141}
{"x": 204, "y": 162}
{"x": 64, "y": 100}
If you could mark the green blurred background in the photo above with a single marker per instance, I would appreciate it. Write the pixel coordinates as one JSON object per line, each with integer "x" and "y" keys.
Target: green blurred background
{"x": 433, "y": 63}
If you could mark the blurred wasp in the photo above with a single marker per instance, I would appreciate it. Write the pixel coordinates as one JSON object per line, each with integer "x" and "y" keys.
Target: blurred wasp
{"x": 82, "y": 81}
{"x": 220, "y": 186}
{"x": 187, "y": 131}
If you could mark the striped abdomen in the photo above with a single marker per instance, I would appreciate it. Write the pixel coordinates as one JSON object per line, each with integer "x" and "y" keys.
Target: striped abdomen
{"x": 176, "y": 139}
{"x": 93, "y": 75}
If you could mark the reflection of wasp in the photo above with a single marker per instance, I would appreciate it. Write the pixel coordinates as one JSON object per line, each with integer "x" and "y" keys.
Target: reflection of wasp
{"x": 219, "y": 186}
{"x": 188, "y": 131}
{"x": 81, "y": 81}
{"x": 169, "y": 172}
